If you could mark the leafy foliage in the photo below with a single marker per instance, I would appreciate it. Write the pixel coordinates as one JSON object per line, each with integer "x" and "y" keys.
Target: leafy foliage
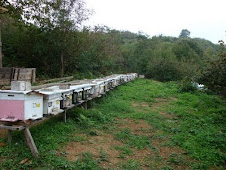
{"x": 165, "y": 70}
{"x": 55, "y": 44}
{"x": 184, "y": 33}
{"x": 214, "y": 75}
{"x": 186, "y": 85}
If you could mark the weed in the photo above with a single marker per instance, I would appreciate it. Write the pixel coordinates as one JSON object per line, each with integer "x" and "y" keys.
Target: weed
{"x": 175, "y": 159}
{"x": 133, "y": 140}
{"x": 125, "y": 151}
{"x": 103, "y": 156}
{"x": 76, "y": 138}
{"x": 86, "y": 162}
{"x": 130, "y": 164}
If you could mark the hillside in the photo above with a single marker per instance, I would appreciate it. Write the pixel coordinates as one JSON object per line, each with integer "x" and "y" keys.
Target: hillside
{"x": 100, "y": 51}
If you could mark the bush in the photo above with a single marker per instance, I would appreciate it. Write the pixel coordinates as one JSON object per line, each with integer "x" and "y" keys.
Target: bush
{"x": 80, "y": 76}
{"x": 186, "y": 85}
{"x": 162, "y": 69}
{"x": 214, "y": 75}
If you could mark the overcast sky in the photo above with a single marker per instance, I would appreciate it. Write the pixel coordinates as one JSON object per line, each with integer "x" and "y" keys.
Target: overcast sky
{"x": 203, "y": 18}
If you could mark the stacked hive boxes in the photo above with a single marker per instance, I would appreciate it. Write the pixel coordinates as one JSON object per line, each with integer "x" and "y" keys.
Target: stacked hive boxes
{"x": 21, "y": 103}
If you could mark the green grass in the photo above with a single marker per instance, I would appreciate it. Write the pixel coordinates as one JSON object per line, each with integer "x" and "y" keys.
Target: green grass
{"x": 198, "y": 127}
{"x": 130, "y": 164}
{"x": 125, "y": 151}
{"x": 133, "y": 140}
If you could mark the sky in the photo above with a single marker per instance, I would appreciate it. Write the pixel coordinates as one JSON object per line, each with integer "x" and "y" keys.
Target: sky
{"x": 203, "y": 18}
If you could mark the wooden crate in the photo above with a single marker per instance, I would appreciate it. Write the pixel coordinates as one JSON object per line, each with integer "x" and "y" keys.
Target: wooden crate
{"x": 8, "y": 74}
{"x": 5, "y": 75}
{"x": 24, "y": 74}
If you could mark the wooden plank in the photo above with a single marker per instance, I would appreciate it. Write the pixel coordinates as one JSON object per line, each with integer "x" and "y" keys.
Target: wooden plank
{"x": 85, "y": 105}
{"x": 12, "y": 127}
{"x": 57, "y": 79}
{"x": 15, "y": 74}
{"x": 65, "y": 116}
{"x": 69, "y": 107}
{"x": 31, "y": 143}
{"x": 78, "y": 104}
{"x": 33, "y": 75}
{"x": 25, "y": 74}
{"x": 89, "y": 98}
{"x": 10, "y": 136}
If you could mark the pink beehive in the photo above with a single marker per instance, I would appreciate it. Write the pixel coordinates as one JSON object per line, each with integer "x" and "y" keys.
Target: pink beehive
{"x": 20, "y": 105}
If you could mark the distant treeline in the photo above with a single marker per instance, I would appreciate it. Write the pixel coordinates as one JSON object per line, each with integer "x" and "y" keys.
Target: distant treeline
{"x": 101, "y": 51}
{"x": 56, "y": 45}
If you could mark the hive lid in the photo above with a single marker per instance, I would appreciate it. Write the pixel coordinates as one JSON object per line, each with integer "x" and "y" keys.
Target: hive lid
{"x": 52, "y": 90}
{"x": 14, "y": 91}
{"x": 78, "y": 90}
{"x": 87, "y": 88}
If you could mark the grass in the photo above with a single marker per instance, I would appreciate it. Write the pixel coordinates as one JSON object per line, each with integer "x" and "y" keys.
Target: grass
{"x": 193, "y": 122}
{"x": 125, "y": 151}
{"x": 133, "y": 140}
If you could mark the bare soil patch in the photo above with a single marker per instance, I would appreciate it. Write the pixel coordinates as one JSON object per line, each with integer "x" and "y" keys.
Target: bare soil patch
{"x": 95, "y": 144}
{"x": 141, "y": 106}
{"x": 105, "y": 143}
{"x": 139, "y": 127}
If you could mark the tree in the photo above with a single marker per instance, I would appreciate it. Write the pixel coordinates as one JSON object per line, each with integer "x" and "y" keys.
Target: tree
{"x": 184, "y": 34}
{"x": 2, "y": 11}
{"x": 60, "y": 16}
{"x": 214, "y": 75}
{"x": 66, "y": 16}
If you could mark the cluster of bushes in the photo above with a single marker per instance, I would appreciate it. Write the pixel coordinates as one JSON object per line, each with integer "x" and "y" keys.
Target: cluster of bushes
{"x": 213, "y": 76}
{"x": 101, "y": 51}
{"x": 56, "y": 47}
{"x": 166, "y": 69}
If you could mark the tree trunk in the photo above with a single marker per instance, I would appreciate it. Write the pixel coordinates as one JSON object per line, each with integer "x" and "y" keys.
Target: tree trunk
{"x": 62, "y": 64}
{"x": 0, "y": 44}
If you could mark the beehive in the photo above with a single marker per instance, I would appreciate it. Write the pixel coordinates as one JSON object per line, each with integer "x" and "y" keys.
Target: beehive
{"x": 51, "y": 101}
{"x": 20, "y": 105}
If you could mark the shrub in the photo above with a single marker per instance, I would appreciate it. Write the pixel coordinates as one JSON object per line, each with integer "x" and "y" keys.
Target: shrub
{"x": 186, "y": 85}
{"x": 162, "y": 69}
{"x": 214, "y": 75}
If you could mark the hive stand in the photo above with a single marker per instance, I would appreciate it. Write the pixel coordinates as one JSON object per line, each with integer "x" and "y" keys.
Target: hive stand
{"x": 18, "y": 126}
{"x": 25, "y": 126}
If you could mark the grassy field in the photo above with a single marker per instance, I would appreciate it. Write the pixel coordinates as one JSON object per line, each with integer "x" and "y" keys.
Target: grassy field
{"x": 144, "y": 124}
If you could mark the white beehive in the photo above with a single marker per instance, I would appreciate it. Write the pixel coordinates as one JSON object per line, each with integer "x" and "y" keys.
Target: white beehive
{"x": 66, "y": 95}
{"x": 123, "y": 78}
{"x": 109, "y": 83}
{"x": 88, "y": 90}
{"x": 114, "y": 82}
{"x": 20, "y": 105}
{"x": 101, "y": 85}
{"x": 96, "y": 92}
{"x": 77, "y": 93}
{"x": 66, "y": 98}
{"x": 51, "y": 101}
